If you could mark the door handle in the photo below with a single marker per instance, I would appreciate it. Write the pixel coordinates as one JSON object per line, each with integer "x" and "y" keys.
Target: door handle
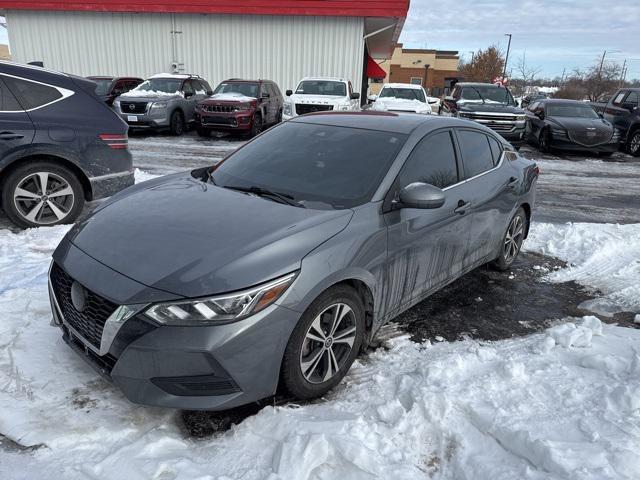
{"x": 10, "y": 136}
{"x": 462, "y": 207}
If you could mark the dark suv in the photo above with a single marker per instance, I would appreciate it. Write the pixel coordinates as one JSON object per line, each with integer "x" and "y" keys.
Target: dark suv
{"x": 108, "y": 88}
{"x": 60, "y": 145}
{"x": 240, "y": 106}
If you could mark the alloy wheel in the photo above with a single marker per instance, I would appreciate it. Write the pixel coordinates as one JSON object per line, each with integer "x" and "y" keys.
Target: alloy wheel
{"x": 43, "y": 198}
{"x": 634, "y": 144}
{"x": 513, "y": 239}
{"x": 328, "y": 343}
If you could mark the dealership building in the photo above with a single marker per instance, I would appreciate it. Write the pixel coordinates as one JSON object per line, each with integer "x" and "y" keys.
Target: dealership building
{"x": 280, "y": 40}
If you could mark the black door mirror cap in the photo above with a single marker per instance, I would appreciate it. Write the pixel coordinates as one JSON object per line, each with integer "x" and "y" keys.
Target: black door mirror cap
{"x": 421, "y": 195}
{"x": 188, "y": 94}
{"x": 354, "y": 96}
{"x": 209, "y": 92}
{"x": 265, "y": 95}
{"x": 540, "y": 115}
{"x": 288, "y": 93}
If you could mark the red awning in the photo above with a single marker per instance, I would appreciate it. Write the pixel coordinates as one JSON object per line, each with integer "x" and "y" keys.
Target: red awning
{"x": 373, "y": 69}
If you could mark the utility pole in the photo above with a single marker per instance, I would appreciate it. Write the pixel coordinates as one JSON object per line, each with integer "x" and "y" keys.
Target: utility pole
{"x": 623, "y": 73}
{"x": 601, "y": 65}
{"x": 506, "y": 60}
{"x": 562, "y": 77}
{"x": 473, "y": 55}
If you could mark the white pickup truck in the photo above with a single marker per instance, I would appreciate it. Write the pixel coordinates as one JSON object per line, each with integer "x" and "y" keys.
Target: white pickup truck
{"x": 404, "y": 97}
{"x": 320, "y": 95}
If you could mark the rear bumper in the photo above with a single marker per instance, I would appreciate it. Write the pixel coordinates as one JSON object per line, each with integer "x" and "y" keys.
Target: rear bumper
{"x": 106, "y": 185}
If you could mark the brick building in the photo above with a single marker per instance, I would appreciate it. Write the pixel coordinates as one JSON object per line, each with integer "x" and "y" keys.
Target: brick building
{"x": 433, "y": 69}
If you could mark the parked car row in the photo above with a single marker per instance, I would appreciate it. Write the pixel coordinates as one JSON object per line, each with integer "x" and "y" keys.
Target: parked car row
{"x": 623, "y": 112}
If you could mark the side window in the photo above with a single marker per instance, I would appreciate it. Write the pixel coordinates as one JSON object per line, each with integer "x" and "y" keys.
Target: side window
{"x": 618, "y": 100}
{"x": 120, "y": 87}
{"x": 432, "y": 161}
{"x": 476, "y": 153}
{"x": 496, "y": 150}
{"x": 8, "y": 102}
{"x": 532, "y": 107}
{"x": 187, "y": 87}
{"x": 276, "y": 90}
{"x": 30, "y": 94}
{"x": 633, "y": 98}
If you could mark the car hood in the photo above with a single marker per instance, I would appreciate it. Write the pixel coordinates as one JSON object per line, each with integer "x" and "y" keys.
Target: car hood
{"x": 191, "y": 238}
{"x": 400, "y": 104}
{"x": 148, "y": 96}
{"x": 489, "y": 107}
{"x": 318, "y": 99}
{"x": 575, "y": 123}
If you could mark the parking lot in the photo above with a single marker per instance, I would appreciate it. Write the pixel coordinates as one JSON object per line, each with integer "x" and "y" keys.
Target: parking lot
{"x": 566, "y": 273}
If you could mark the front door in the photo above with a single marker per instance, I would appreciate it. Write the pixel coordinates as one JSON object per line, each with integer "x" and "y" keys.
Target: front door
{"x": 426, "y": 247}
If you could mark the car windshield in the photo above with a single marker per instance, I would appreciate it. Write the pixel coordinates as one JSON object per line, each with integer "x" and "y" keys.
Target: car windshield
{"x": 164, "y": 85}
{"x": 487, "y": 94}
{"x": 403, "y": 93}
{"x": 318, "y": 166}
{"x": 570, "y": 110}
{"x": 243, "y": 88}
{"x": 322, "y": 87}
{"x": 103, "y": 85}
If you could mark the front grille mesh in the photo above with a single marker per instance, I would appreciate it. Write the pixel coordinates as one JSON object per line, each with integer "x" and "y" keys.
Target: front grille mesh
{"x": 90, "y": 322}
{"x": 133, "y": 107}
{"x": 219, "y": 108}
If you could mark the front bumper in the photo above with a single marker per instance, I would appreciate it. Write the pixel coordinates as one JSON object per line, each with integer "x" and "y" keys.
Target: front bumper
{"x": 146, "y": 121}
{"x": 237, "y": 121}
{"x": 564, "y": 143}
{"x": 516, "y": 137}
{"x": 203, "y": 368}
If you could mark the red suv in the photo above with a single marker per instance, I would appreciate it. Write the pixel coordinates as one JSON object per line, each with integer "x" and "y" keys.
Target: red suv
{"x": 245, "y": 106}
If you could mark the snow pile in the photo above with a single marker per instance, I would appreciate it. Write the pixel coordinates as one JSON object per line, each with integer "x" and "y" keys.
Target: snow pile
{"x": 606, "y": 257}
{"x": 232, "y": 97}
{"x": 149, "y": 94}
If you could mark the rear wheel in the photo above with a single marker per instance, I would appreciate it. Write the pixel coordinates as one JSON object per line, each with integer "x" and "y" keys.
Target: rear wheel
{"x": 177, "y": 123}
{"x": 324, "y": 344}
{"x": 633, "y": 144}
{"x": 42, "y": 193}
{"x": 512, "y": 241}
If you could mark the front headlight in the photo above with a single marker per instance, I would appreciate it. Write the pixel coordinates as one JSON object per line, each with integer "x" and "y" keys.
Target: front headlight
{"x": 521, "y": 118}
{"x": 345, "y": 107}
{"x": 221, "y": 308}
{"x": 243, "y": 107}
{"x": 464, "y": 114}
{"x": 287, "y": 109}
{"x": 158, "y": 106}
{"x": 617, "y": 134}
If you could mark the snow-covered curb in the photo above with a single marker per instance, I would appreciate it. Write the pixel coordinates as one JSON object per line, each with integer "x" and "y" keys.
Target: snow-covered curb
{"x": 561, "y": 404}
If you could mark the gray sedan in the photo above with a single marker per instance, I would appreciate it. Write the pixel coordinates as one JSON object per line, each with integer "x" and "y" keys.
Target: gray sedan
{"x": 208, "y": 289}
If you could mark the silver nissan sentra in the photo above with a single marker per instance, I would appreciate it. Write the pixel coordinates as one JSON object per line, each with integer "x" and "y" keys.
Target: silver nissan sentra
{"x": 208, "y": 289}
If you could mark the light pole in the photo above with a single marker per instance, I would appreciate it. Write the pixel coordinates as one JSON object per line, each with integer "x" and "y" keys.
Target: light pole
{"x": 504, "y": 73}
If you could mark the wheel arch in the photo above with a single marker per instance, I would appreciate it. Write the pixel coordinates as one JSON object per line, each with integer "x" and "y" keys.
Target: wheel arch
{"x": 52, "y": 158}
{"x": 527, "y": 210}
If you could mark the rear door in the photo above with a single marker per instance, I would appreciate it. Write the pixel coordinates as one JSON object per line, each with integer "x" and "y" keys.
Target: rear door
{"x": 491, "y": 188}
{"x": 16, "y": 128}
{"x": 190, "y": 99}
{"x": 426, "y": 248}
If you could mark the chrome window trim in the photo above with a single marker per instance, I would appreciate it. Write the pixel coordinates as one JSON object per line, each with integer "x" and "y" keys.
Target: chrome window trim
{"x": 502, "y": 156}
{"x": 63, "y": 91}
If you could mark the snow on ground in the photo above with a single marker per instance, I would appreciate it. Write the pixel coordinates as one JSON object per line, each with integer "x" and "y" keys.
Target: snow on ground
{"x": 561, "y": 404}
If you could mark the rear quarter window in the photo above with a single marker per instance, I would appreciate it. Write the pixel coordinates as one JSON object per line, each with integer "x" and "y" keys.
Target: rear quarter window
{"x": 31, "y": 94}
{"x": 8, "y": 102}
{"x": 476, "y": 152}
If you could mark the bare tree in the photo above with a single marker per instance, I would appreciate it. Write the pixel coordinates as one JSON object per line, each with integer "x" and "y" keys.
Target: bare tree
{"x": 602, "y": 80}
{"x": 525, "y": 72}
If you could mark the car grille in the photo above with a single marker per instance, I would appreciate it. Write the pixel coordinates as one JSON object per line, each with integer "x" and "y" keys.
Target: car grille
{"x": 302, "y": 108}
{"x": 90, "y": 322}
{"x": 219, "y": 108}
{"x": 133, "y": 107}
{"x": 500, "y": 127}
{"x": 589, "y": 138}
{"x": 487, "y": 117}
{"x": 216, "y": 120}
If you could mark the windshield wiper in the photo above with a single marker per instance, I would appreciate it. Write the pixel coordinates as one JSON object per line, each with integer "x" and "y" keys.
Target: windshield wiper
{"x": 263, "y": 192}
{"x": 479, "y": 94}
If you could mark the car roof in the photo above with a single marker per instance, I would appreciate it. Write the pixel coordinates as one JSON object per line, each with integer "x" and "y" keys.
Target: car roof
{"x": 562, "y": 100}
{"x": 477, "y": 84}
{"x": 244, "y": 80}
{"x": 331, "y": 79}
{"x": 383, "y": 121}
{"x": 403, "y": 85}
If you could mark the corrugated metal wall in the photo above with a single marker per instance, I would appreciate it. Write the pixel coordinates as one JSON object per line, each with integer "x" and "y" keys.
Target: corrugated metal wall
{"x": 279, "y": 48}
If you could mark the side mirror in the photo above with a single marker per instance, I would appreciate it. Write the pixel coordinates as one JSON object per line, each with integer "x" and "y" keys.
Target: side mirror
{"x": 540, "y": 115}
{"x": 188, "y": 94}
{"x": 372, "y": 98}
{"x": 265, "y": 95}
{"x": 288, "y": 93}
{"x": 421, "y": 195}
{"x": 449, "y": 98}
{"x": 354, "y": 96}
{"x": 209, "y": 93}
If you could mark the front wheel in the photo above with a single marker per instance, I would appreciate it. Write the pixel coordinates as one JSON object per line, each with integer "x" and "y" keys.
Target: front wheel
{"x": 633, "y": 144}
{"x": 42, "y": 193}
{"x": 544, "y": 141}
{"x": 256, "y": 128}
{"x": 324, "y": 344}
{"x": 512, "y": 241}
{"x": 177, "y": 123}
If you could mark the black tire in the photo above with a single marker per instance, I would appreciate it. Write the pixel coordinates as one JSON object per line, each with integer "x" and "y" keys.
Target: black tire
{"x": 42, "y": 208}
{"x": 544, "y": 141}
{"x": 177, "y": 125}
{"x": 203, "y": 132}
{"x": 292, "y": 377}
{"x": 509, "y": 251}
{"x": 633, "y": 143}
{"x": 256, "y": 128}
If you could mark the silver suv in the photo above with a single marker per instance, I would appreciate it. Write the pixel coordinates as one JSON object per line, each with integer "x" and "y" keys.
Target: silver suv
{"x": 163, "y": 101}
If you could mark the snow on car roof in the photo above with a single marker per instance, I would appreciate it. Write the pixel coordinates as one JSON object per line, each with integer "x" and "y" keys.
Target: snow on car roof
{"x": 403, "y": 85}
{"x": 171, "y": 75}
{"x": 330, "y": 79}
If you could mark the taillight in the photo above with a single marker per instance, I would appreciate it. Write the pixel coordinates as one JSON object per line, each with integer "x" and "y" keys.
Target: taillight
{"x": 115, "y": 141}
{"x": 537, "y": 171}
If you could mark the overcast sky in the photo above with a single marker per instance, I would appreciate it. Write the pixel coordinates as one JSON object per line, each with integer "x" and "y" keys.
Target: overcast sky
{"x": 554, "y": 33}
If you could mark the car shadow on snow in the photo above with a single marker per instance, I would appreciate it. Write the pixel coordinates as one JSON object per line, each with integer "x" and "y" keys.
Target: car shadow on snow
{"x": 485, "y": 305}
